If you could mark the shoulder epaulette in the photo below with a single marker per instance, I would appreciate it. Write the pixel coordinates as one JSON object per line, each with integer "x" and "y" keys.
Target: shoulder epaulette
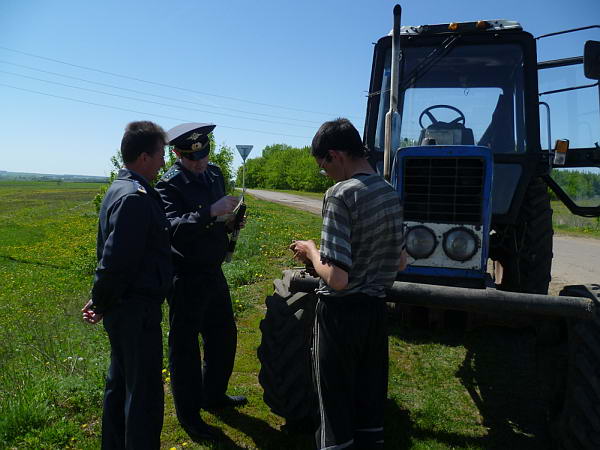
{"x": 214, "y": 168}
{"x": 171, "y": 173}
{"x": 140, "y": 188}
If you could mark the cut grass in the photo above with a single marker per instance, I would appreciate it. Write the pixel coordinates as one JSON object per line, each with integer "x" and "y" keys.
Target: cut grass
{"x": 446, "y": 390}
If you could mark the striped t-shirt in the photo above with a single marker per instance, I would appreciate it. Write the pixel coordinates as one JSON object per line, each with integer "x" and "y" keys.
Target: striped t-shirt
{"x": 362, "y": 234}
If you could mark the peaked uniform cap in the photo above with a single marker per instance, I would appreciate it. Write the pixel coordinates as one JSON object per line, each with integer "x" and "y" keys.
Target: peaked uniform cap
{"x": 191, "y": 139}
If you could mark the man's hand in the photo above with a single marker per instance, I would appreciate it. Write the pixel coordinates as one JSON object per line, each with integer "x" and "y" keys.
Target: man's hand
{"x": 225, "y": 205}
{"x": 89, "y": 315}
{"x": 307, "y": 253}
{"x": 304, "y": 251}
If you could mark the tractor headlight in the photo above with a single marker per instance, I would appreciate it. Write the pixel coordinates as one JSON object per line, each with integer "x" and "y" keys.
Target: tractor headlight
{"x": 420, "y": 242}
{"x": 460, "y": 244}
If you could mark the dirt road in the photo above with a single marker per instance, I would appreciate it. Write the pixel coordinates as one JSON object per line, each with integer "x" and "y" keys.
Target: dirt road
{"x": 576, "y": 260}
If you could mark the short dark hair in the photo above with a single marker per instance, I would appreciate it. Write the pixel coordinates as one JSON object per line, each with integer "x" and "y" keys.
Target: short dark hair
{"x": 338, "y": 134}
{"x": 141, "y": 137}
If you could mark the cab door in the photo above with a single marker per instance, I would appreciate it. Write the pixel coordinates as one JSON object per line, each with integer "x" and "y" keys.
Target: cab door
{"x": 569, "y": 95}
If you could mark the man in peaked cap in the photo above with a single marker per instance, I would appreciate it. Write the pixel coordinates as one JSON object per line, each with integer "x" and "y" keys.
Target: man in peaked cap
{"x": 193, "y": 192}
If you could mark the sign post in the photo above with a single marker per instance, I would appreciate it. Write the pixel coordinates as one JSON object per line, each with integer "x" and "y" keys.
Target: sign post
{"x": 244, "y": 152}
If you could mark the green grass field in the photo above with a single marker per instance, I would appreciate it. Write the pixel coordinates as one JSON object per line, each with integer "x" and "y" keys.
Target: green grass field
{"x": 567, "y": 223}
{"x": 451, "y": 389}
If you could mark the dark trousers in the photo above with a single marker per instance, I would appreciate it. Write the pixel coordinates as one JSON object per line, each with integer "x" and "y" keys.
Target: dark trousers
{"x": 133, "y": 397}
{"x": 350, "y": 357}
{"x": 200, "y": 304}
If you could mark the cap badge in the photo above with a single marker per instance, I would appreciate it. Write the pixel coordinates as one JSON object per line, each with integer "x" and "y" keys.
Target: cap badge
{"x": 193, "y": 136}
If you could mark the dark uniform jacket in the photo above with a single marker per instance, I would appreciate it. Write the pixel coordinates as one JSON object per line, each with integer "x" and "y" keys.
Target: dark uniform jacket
{"x": 133, "y": 249}
{"x": 198, "y": 242}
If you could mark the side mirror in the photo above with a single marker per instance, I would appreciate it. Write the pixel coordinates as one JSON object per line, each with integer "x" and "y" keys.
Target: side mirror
{"x": 591, "y": 60}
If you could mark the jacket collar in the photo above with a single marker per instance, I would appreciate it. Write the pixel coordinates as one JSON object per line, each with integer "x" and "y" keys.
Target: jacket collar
{"x": 130, "y": 175}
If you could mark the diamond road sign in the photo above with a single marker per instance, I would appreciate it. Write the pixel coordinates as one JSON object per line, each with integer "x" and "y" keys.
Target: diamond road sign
{"x": 244, "y": 150}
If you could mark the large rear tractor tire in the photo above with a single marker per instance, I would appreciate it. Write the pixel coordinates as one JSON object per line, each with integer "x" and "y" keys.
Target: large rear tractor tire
{"x": 578, "y": 424}
{"x": 284, "y": 354}
{"x": 524, "y": 250}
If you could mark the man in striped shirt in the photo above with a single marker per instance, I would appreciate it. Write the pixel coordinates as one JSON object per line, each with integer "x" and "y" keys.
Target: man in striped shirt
{"x": 360, "y": 255}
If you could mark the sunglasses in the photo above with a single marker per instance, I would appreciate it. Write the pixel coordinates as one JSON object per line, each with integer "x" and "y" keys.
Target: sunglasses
{"x": 196, "y": 156}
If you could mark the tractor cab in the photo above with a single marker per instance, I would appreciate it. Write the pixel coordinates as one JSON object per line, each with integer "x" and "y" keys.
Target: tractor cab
{"x": 453, "y": 122}
{"x": 461, "y": 87}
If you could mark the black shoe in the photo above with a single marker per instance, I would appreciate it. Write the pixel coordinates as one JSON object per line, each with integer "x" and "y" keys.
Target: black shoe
{"x": 202, "y": 432}
{"x": 227, "y": 401}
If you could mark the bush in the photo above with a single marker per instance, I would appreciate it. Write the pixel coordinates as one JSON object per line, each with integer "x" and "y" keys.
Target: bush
{"x": 284, "y": 167}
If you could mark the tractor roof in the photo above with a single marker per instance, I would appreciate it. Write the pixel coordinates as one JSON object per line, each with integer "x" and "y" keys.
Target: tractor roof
{"x": 480, "y": 26}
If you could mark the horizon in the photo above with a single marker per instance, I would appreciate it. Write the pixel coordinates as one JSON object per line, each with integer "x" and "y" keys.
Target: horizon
{"x": 52, "y": 174}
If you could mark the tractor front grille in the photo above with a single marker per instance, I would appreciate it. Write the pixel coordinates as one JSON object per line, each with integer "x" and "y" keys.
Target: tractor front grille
{"x": 444, "y": 190}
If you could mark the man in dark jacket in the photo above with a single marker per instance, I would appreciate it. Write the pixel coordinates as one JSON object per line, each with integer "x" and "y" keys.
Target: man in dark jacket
{"x": 132, "y": 279}
{"x": 199, "y": 212}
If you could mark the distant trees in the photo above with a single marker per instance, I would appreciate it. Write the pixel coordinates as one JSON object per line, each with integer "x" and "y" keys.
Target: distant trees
{"x": 579, "y": 185}
{"x": 284, "y": 167}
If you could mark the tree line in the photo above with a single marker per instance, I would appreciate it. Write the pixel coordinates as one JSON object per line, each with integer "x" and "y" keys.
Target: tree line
{"x": 284, "y": 167}
{"x": 579, "y": 185}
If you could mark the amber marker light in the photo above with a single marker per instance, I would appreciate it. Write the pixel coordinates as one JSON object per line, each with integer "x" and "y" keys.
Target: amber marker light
{"x": 561, "y": 146}
{"x": 453, "y": 26}
{"x": 481, "y": 24}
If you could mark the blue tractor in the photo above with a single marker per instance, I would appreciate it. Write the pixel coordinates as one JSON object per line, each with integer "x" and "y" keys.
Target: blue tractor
{"x": 453, "y": 122}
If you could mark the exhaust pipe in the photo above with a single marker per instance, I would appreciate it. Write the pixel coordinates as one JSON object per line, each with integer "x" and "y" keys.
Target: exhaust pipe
{"x": 393, "y": 111}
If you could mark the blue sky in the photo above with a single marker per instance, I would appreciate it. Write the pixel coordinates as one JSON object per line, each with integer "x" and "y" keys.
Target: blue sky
{"x": 265, "y": 71}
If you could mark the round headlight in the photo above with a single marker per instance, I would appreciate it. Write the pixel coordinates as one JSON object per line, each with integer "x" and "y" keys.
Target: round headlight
{"x": 420, "y": 242}
{"x": 460, "y": 244}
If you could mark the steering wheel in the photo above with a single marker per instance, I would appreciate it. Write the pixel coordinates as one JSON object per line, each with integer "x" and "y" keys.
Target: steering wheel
{"x": 434, "y": 120}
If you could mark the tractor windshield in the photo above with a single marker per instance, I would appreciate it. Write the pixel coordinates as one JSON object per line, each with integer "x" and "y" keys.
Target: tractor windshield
{"x": 473, "y": 95}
